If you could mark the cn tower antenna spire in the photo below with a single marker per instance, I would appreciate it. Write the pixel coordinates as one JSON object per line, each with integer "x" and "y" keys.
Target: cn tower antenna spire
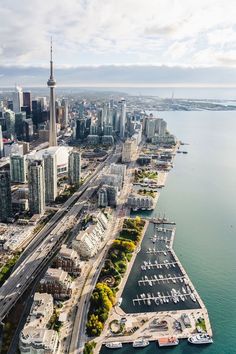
{"x": 51, "y": 84}
{"x": 51, "y": 61}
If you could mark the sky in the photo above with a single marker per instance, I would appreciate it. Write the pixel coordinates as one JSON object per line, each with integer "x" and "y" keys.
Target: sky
{"x": 115, "y": 41}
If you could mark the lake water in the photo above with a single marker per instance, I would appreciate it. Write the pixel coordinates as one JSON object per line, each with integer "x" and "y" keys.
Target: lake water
{"x": 200, "y": 196}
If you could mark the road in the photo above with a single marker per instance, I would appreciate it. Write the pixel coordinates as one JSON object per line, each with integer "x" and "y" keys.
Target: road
{"x": 49, "y": 240}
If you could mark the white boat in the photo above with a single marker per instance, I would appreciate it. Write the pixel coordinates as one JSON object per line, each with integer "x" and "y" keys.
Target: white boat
{"x": 114, "y": 345}
{"x": 201, "y": 338}
{"x": 119, "y": 302}
{"x": 139, "y": 343}
{"x": 193, "y": 297}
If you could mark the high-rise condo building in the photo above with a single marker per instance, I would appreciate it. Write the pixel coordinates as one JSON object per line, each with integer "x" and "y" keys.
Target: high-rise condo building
{"x": 50, "y": 173}
{"x": 10, "y": 122}
{"x": 74, "y": 168}
{"x": 17, "y": 99}
{"x": 122, "y": 118}
{"x": 20, "y": 117}
{"x": 18, "y": 168}
{"x": 27, "y": 100}
{"x": 65, "y": 112}
{"x": 52, "y": 127}
{"x": 129, "y": 150}
{"x": 36, "y": 186}
{"x": 5, "y": 196}
{"x": 1, "y": 143}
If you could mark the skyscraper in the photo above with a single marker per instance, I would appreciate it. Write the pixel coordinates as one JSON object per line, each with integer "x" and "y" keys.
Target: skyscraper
{"x": 50, "y": 173}
{"x": 20, "y": 117}
{"x": 10, "y": 123}
{"x": 18, "y": 168}
{"x": 17, "y": 99}
{"x": 52, "y": 127}
{"x": 1, "y": 143}
{"x": 27, "y": 100}
{"x": 36, "y": 186}
{"x": 122, "y": 118}
{"x": 64, "y": 104}
{"x": 5, "y": 196}
{"x": 74, "y": 168}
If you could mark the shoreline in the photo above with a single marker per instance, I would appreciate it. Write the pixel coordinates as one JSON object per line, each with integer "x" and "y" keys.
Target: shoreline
{"x": 145, "y": 317}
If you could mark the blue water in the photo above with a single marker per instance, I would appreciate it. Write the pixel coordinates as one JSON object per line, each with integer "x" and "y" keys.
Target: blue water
{"x": 200, "y": 196}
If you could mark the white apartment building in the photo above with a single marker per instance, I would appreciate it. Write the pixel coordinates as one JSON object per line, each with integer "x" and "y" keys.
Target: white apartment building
{"x": 88, "y": 242}
{"x": 35, "y": 338}
{"x": 39, "y": 341}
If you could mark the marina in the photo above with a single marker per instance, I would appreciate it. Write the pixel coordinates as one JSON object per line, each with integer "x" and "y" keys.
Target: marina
{"x": 162, "y": 283}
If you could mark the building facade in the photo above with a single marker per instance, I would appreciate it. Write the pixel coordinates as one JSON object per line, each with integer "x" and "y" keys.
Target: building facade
{"x": 5, "y": 196}
{"x": 36, "y": 183}
{"x": 50, "y": 175}
{"x": 88, "y": 242}
{"x": 56, "y": 282}
{"x": 74, "y": 167}
{"x": 18, "y": 168}
{"x": 68, "y": 260}
{"x": 129, "y": 150}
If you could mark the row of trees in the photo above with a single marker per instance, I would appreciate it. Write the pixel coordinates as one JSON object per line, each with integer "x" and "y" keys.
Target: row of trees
{"x": 101, "y": 302}
{"x": 132, "y": 229}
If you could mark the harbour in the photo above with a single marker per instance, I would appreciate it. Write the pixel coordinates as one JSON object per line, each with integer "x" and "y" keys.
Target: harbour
{"x": 199, "y": 248}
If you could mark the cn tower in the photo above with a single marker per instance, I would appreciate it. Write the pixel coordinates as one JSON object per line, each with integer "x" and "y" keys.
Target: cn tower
{"x": 52, "y": 126}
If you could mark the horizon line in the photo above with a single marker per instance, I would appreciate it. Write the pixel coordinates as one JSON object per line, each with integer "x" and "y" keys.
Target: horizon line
{"x": 132, "y": 85}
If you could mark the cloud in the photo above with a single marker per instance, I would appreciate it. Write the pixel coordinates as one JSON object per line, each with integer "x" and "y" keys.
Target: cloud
{"x": 119, "y": 75}
{"x": 89, "y": 32}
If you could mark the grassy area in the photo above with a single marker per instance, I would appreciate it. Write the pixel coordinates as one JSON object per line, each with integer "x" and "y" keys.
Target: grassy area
{"x": 5, "y": 271}
{"x": 115, "y": 266}
{"x": 141, "y": 174}
{"x": 201, "y": 323}
{"x": 66, "y": 194}
{"x": 147, "y": 192}
{"x": 54, "y": 322}
{"x": 89, "y": 347}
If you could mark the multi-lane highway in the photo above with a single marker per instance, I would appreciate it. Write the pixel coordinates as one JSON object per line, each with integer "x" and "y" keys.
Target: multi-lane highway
{"x": 49, "y": 240}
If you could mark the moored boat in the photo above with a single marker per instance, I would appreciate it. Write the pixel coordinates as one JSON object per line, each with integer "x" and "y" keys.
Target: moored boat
{"x": 139, "y": 343}
{"x": 201, "y": 338}
{"x": 113, "y": 345}
{"x": 168, "y": 341}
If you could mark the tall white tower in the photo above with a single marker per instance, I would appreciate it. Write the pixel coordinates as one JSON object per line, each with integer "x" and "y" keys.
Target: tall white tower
{"x": 52, "y": 126}
{"x": 17, "y": 99}
{"x": 122, "y": 118}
